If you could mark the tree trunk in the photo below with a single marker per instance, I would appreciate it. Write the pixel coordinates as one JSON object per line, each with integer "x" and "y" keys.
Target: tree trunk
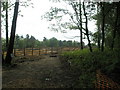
{"x": 98, "y": 26}
{"x": 0, "y": 38}
{"x": 0, "y": 51}
{"x": 99, "y": 37}
{"x": 115, "y": 26}
{"x": 79, "y": 21}
{"x": 12, "y": 36}
{"x": 118, "y": 30}
{"x": 81, "y": 36}
{"x": 103, "y": 25}
{"x": 81, "y": 41}
{"x": 6, "y": 24}
{"x": 86, "y": 26}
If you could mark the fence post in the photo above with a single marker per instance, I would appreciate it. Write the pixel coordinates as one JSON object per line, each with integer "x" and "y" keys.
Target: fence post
{"x": 51, "y": 50}
{"x": 46, "y": 51}
{"x": 32, "y": 51}
{"x": 57, "y": 50}
{"x": 39, "y": 51}
{"x": 14, "y": 52}
{"x": 60, "y": 49}
{"x": 24, "y": 51}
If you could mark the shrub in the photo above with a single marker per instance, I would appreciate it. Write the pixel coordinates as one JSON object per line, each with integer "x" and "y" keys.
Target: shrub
{"x": 86, "y": 63}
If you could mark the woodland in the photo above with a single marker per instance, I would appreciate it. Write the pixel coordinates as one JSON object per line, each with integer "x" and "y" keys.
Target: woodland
{"x": 102, "y": 52}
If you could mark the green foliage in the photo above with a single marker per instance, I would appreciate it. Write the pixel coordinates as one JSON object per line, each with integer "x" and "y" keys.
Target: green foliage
{"x": 31, "y": 41}
{"x": 86, "y": 63}
{"x": 3, "y": 44}
{"x": 111, "y": 22}
{"x": 53, "y": 42}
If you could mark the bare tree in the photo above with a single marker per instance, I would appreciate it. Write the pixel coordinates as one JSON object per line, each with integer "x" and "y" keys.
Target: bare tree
{"x": 78, "y": 14}
{"x": 86, "y": 27}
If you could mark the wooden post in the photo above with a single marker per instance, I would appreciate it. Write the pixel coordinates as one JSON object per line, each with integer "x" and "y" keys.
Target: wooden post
{"x": 57, "y": 50}
{"x": 51, "y": 50}
{"x": 60, "y": 49}
{"x": 14, "y": 52}
{"x": 46, "y": 51}
{"x": 39, "y": 51}
{"x": 24, "y": 51}
{"x": 32, "y": 51}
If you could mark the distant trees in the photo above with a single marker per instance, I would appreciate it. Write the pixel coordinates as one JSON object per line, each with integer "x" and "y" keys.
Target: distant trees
{"x": 32, "y": 42}
{"x": 53, "y": 42}
{"x": 19, "y": 42}
{"x": 78, "y": 15}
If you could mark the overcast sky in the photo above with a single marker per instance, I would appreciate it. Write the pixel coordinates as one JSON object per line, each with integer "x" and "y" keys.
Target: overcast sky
{"x": 32, "y": 24}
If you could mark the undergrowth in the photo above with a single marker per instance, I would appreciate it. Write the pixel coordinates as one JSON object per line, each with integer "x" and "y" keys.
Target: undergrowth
{"x": 86, "y": 63}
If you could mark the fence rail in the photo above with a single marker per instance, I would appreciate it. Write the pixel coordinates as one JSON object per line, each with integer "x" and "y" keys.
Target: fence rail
{"x": 41, "y": 51}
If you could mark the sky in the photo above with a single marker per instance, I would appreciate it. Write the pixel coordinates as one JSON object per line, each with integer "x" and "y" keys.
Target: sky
{"x": 32, "y": 24}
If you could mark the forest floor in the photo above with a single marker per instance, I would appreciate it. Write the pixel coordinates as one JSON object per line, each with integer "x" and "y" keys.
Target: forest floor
{"x": 37, "y": 72}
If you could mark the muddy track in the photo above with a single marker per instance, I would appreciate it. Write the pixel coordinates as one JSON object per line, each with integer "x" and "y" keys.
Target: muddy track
{"x": 45, "y": 72}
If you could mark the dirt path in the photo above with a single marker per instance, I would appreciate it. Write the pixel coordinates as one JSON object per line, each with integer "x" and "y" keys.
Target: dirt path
{"x": 47, "y": 72}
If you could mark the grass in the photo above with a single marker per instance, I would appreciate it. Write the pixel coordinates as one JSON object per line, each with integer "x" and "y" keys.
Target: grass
{"x": 86, "y": 63}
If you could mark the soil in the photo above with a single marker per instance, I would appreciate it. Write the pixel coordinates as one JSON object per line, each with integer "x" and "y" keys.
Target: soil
{"x": 37, "y": 72}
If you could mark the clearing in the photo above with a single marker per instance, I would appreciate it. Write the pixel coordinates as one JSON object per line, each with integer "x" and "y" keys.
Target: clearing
{"x": 37, "y": 72}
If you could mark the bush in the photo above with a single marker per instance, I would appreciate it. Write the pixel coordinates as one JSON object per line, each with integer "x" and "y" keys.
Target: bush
{"x": 86, "y": 63}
